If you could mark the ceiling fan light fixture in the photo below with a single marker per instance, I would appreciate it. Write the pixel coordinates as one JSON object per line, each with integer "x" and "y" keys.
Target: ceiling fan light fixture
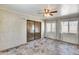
{"x": 47, "y": 12}
{"x": 47, "y": 15}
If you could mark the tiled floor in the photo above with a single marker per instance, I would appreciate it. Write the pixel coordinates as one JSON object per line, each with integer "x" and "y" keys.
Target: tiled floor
{"x": 44, "y": 47}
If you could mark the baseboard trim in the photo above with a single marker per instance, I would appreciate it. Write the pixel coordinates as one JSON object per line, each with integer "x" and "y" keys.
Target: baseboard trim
{"x": 8, "y": 49}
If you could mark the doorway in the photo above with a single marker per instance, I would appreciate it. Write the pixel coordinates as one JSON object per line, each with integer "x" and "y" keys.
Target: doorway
{"x": 33, "y": 30}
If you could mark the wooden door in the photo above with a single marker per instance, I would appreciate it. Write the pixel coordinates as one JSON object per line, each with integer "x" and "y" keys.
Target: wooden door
{"x": 37, "y": 30}
{"x": 33, "y": 30}
{"x": 30, "y": 30}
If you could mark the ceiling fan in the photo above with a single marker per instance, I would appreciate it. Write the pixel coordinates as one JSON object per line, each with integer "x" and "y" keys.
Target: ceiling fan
{"x": 48, "y": 12}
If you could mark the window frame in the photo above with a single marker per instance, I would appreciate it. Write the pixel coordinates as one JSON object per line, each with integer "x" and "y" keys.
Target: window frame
{"x": 53, "y": 27}
{"x": 47, "y": 29}
{"x": 69, "y": 31}
{"x": 63, "y": 26}
{"x": 76, "y": 26}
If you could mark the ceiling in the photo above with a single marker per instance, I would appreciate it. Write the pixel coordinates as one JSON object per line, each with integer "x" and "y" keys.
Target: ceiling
{"x": 33, "y": 9}
{"x": 30, "y": 9}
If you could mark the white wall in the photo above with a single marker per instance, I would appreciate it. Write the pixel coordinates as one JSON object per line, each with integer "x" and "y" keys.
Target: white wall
{"x": 12, "y": 30}
{"x": 51, "y": 35}
{"x": 72, "y": 38}
{"x": 42, "y": 29}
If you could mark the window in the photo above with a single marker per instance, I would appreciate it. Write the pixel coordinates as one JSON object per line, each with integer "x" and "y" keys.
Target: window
{"x": 69, "y": 26}
{"x": 73, "y": 26}
{"x": 48, "y": 27}
{"x": 53, "y": 27}
{"x": 64, "y": 27}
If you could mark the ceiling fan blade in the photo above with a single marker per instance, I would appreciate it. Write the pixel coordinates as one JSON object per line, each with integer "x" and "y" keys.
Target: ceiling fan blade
{"x": 53, "y": 12}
